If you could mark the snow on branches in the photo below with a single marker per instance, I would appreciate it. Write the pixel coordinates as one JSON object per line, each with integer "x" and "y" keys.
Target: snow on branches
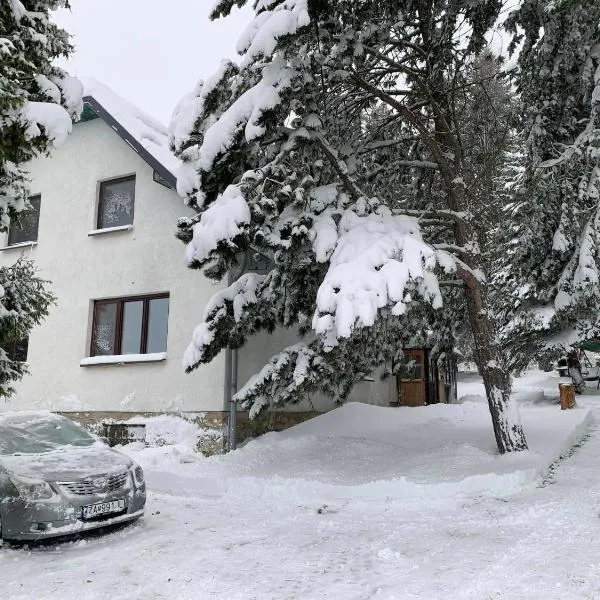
{"x": 219, "y": 121}
{"x": 324, "y": 235}
{"x": 222, "y": 222}
{"x": 235, "y": 102}
{"x": 232, "y": 301}
{"x": 193, "y": 115}
{"x": 375, "y": 259}
{"x": 37, "y": 99}
{"x": 271, "y": 385}
{"x": 45, "y": 118}
{"x": 246, "y": 113}
{"x": 192, "y": 106}
{"x": 273, "y": 21}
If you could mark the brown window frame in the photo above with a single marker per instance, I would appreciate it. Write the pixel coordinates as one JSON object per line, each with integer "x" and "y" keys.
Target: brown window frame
{"x": 101, "y": 197}
{"x": 117, "y": 341}
{"x": 13, "y": 228}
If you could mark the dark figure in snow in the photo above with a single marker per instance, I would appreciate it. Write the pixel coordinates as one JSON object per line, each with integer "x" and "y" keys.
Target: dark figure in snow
{"x": 563, "y": 367}
{"x": 574, "y": 365}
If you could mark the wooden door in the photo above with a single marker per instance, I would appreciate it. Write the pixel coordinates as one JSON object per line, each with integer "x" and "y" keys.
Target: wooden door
{"x": 412, "y": 384}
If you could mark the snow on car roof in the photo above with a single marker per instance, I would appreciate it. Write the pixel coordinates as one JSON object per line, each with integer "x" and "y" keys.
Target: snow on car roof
{"x": 24, "y": 416}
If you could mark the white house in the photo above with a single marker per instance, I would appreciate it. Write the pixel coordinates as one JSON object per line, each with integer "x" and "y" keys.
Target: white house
{"x": 103, "y": 233}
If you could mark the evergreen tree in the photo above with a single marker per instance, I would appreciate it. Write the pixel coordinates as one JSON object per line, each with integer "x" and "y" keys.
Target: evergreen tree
{"x": 37, "y": 99}
{"x": 37, "y": 103}
{"x": 287, "y": 156}
{"x": 553, "y": 262}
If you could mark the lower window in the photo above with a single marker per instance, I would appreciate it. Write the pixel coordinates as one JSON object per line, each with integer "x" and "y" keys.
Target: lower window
{"x": 17, "y": 350}
{"x": 130, "y": 325}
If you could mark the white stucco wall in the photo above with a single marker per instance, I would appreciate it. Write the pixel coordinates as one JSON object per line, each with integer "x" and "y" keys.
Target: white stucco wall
{"x": 261, "y": 347}
{"x": 82, "y": 268}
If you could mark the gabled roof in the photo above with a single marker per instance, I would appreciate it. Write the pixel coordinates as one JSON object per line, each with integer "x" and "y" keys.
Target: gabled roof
{"x": 147, "y": 137}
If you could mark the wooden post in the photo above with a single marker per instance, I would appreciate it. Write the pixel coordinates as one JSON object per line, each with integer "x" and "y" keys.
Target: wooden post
{"x": 567, "y": 395}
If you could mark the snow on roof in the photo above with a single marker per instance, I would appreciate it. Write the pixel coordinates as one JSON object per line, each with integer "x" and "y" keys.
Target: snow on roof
{"x": 151, "y": 134}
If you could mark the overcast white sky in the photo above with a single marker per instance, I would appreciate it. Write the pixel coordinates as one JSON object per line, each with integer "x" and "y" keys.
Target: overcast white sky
{"x": 151, "y": 52}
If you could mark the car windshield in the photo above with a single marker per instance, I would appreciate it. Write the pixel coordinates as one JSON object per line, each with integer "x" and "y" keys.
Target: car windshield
{"x": 40, "y": 433}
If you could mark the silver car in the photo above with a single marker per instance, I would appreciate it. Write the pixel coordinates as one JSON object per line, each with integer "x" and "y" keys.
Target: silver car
{"x": 56, "y": 479}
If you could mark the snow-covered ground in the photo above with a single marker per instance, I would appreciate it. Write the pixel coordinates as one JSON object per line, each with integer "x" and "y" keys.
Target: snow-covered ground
{"x": 364, "y": 502}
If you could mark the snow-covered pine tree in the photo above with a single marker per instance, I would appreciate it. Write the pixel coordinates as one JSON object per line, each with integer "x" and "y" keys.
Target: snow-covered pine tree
{"x": 281, "y": 158}
{"x": 553, "y": 262}
{"x": 37, "y": 103}
{"x": 37, "y": 99}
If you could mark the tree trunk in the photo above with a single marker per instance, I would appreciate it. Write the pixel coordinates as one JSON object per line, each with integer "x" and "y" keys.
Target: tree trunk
{"x": 488, "y": 357}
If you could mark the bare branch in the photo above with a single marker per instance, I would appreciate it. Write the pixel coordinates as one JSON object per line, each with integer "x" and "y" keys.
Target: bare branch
{"x": 451, "y": 283}
{"x": 378, "y": 144}
{"x": 450, "y": 215}
{"x": 416, "y": 122}
{"x": 414, "y": 164}
{"x": 436, "y": 222}
{"x": 454, "y": 249}
{"x": 392, "y": 63}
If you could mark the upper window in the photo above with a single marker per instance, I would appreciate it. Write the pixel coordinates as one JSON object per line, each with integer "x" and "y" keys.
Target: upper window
{"x": 26, "y": 229}
{"x": 130, "y": 325}
{"x": 116, "y": 202}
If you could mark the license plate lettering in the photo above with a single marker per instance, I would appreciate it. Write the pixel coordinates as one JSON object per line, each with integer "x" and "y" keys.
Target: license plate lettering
{"x": 102, "y": 508}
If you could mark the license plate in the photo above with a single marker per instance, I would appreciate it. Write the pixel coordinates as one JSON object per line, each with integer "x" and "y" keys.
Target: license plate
{"x": 103, "y": 508}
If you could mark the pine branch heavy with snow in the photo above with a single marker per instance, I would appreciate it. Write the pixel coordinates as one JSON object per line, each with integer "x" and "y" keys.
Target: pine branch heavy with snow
{"x": 37, "y": 99}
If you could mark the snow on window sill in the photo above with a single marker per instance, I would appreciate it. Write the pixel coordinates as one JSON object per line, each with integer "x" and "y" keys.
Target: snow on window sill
{"x": 20, "y": 245}
{"x": 110, "y": 229}
{"x": 121, "y": 359}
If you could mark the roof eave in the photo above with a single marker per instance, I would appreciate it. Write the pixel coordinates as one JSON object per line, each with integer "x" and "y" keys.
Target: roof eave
{"x": 129, "y": 139}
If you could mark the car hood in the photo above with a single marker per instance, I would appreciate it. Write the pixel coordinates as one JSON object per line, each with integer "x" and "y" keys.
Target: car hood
{"x": 67, "y": 464}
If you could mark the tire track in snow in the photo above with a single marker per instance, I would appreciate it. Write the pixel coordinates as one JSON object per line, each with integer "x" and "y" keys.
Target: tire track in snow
{"x": 547, "y": 527}
{"x": 549, "y": 475}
